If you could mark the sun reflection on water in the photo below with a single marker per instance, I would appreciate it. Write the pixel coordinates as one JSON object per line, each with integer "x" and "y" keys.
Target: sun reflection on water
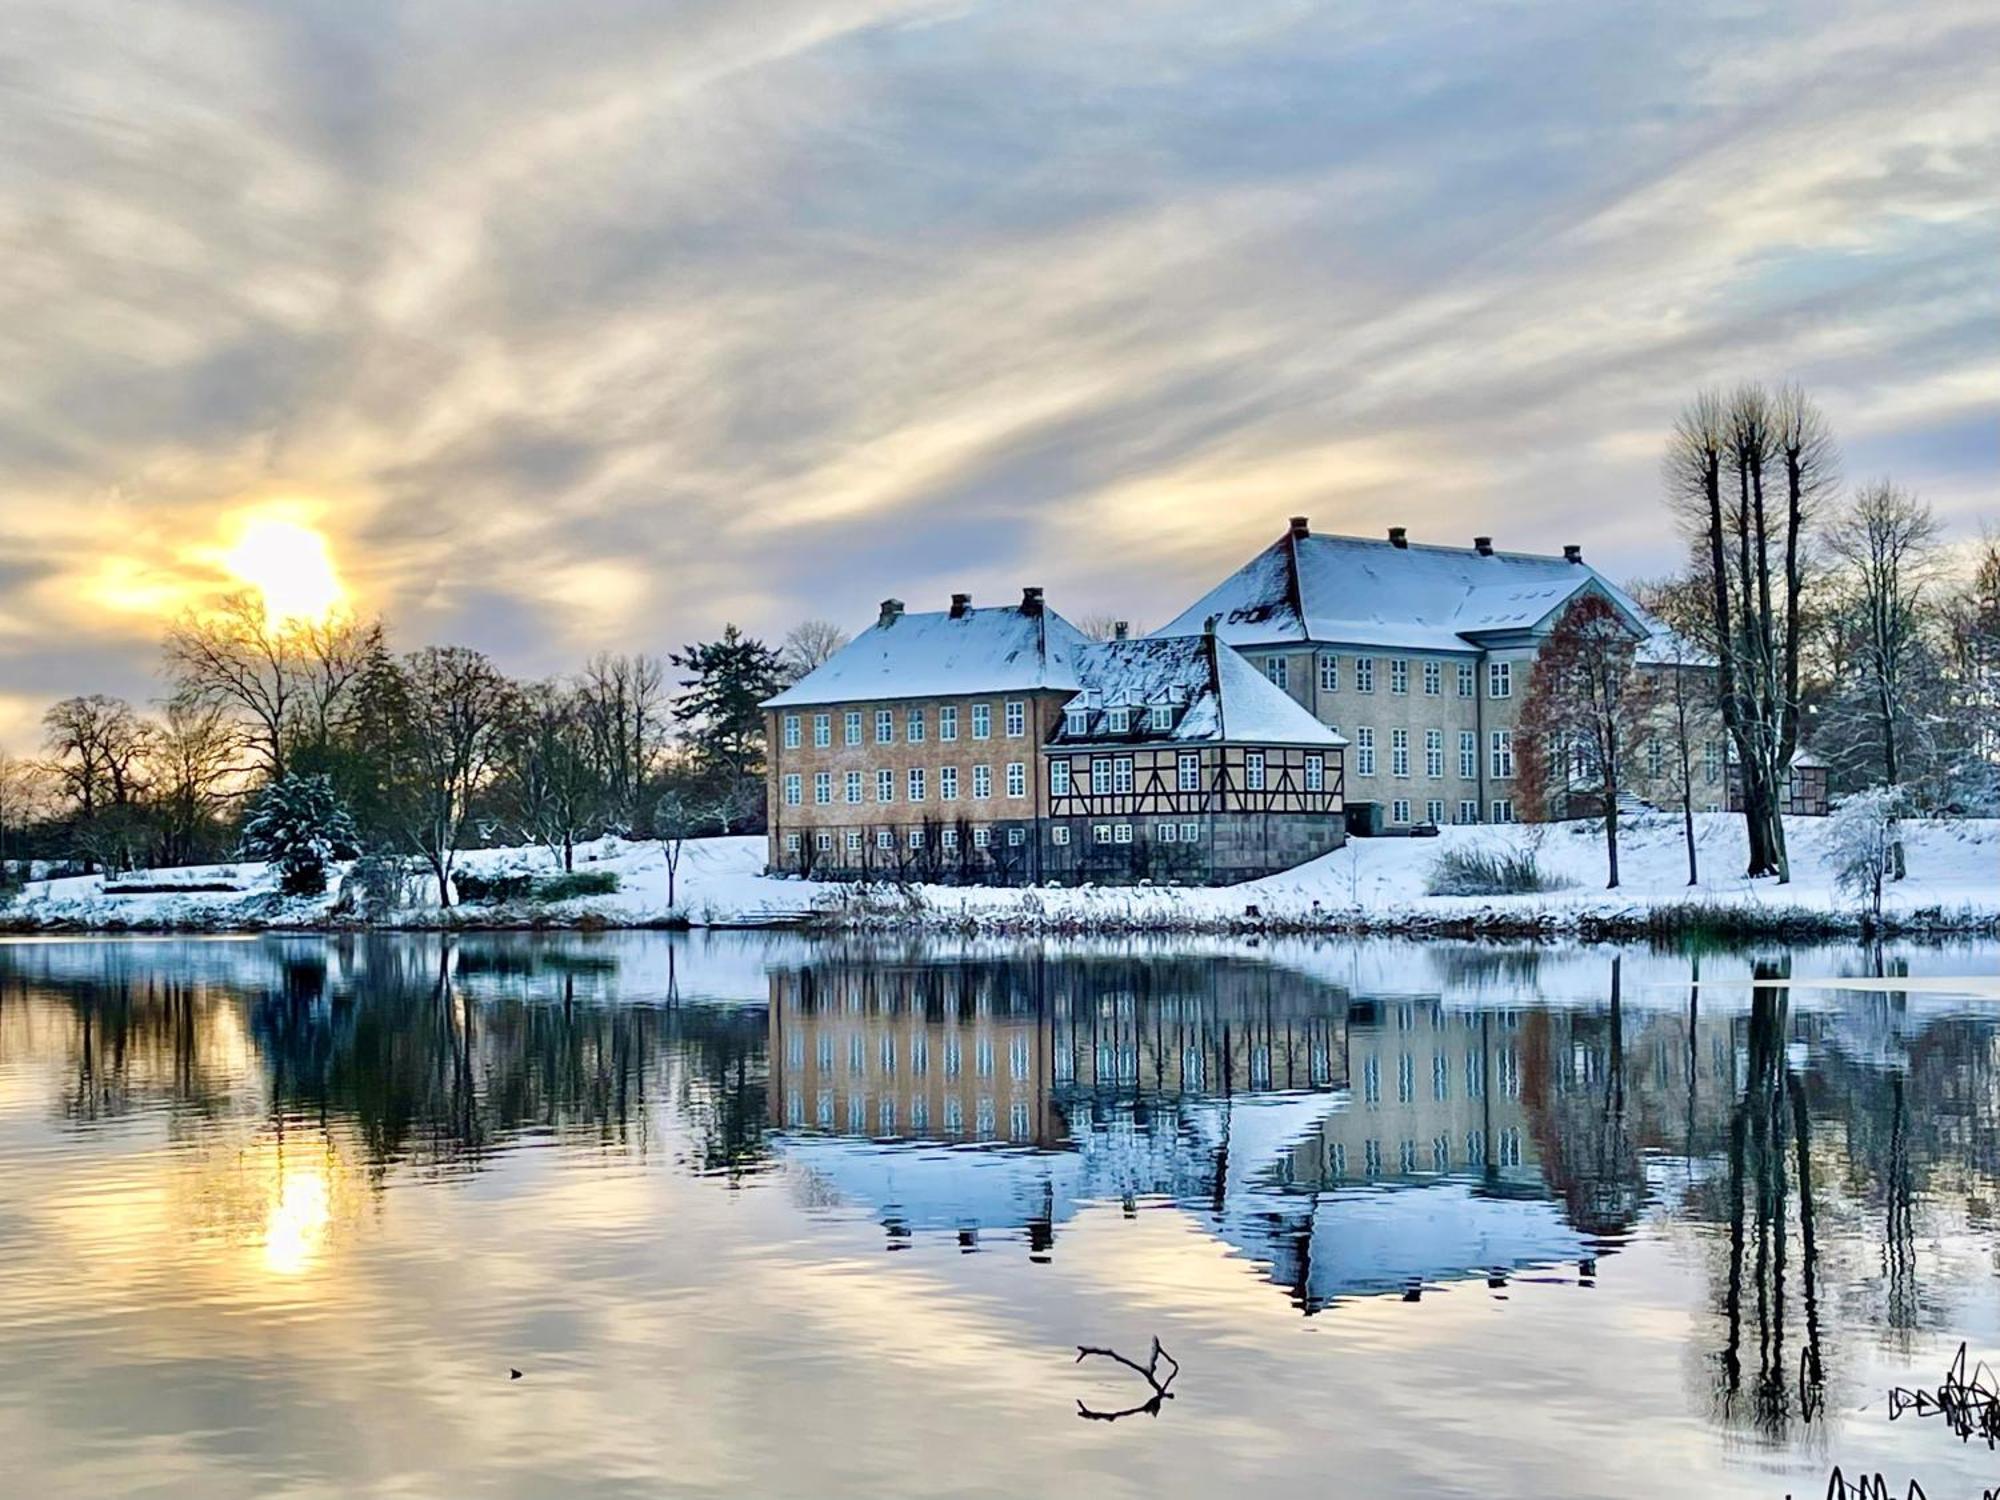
{"x": 296, "y": 1227}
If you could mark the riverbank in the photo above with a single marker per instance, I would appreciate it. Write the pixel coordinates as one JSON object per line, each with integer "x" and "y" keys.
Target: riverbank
{"x": 1372, "y": 886}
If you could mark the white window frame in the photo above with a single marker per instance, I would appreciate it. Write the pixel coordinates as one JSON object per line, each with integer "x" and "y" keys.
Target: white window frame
{"x": 885, "y": 838}
{"x": 915, "y": 838}
{"x": 791, "y": 731}
{"x": 1399, "y": 676}
{"x": 794, "y": 789}
{"x": 1499, "y": 679}
{"x": 982, "y": 721}
{"x": 1121, "y": 833}
{"x": 1468, "y": 810}
{"x": 1076, "y": 722}
{"x": 1017, "y": 778}
{"x": 1364, "y": 751}
{"x": 1434, "y": 812}
{"x": 854, "y": 841}
{"x": 1399, "y": 810}
{"x": 1164, "y": 832}
{"x": 1160, "y": 717}
{"x": 885, "y": 785}
{"x": 913, "y": 725}
{"x": 852, "y": 726}
{"x": 982, "y": 837}
{"x": 1118, "y": 720}
{"x": 1315, "y": 773}
{"x": 1433, "y": 679}
{"x": 1399, "y": 752}
{"x": 791, "y": 843}
{"x": 1329, "y": 672}
{"x": 1187, "y": 772}
{"x": 1278, "y": 669}
{"x": 854, "y": 787}
{"x": 1059, "y": 834}
{"x": 917, "y": 784}
{"x": 1017, "y": 718}
{"x": 1468, "y": 679}
{"x": 1253, "y": 771}
{"x": 1058, "y": 778}
{"x": 1468, "y": 754}
{"x": 1190, "y": 833}
{"x": 1016, "y": 837}
{"x": 1100, "y": 776}
{"x": 822, "y": 788}
{"x": 1100, "y": 833}
{"x": 822, "y": 731}
{"x": 1121, "y": 776}
{"x": 982, "y": 783}
{"x": 1503, "y": 810}
{"x": 947, "y": 783}
{"x": 1434, "y": 754}
{"x": 1500, "y": 765}
{"x": 885, "y": 726}
{"x": 947, "y": 722}
{"x": 1364, "y": 674}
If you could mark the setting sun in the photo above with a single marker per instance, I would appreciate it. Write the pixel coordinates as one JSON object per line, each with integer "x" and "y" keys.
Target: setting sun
{"x": 289, "y": 564}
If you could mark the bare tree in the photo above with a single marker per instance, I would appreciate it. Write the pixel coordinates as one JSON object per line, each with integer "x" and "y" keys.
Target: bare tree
{"x": 623, "y": 701}
{"x": 196, "y": 768}
{"x": 285, "y": 682}
{"x": 1584, "y": 713}
{"x": 1680, "y": 693}
{"x": 1972, "y": 635}
{"x": 550, "y": 778}
{"x": 807, "y": 646}
{"x": 1885, "y": 542}
{"x": 678, "y": 817}
{"x": 23, "y": 793}
{"x": 97, "y": 747}
{"x": 1745, "y": 475}
{"x": 451, "y": 710}
{"x": 1102, "y": 626}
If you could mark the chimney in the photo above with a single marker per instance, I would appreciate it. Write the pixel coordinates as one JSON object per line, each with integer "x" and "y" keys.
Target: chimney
{"x": 1572, "y": 553}
{"x": 1031, "y": 601}
{"x": 961, "y": 606}
{"x": 1121, "y": 630}
{"x": 1399, "y": 536}
{"x": 1208, "y": 625}
{"x": 1483, "y": 545}
{"x": 1299, "y": 527}
{"x": 892, "y": 611}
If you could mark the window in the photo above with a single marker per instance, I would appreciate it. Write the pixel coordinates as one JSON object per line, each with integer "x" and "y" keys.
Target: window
{"x": 884, "y": 839}
{"x": 1501, "y": 767}
{"x": 1503, "y": 809}
{"x": 1017, "y": 778}
{"x": 982, "y": 782}
{"x": 1058, "y": 778}
{"x": 916, "y": 838}
{"x": 1656, "y": 757}
{"x": 1468, "y": 811}
{"x": 1100, "y": 776}
{"x": 822, "y": 841}
{"x": 914, "y": 726}
{"x": 916, "y": 783}
{"x": 1364, "y": 752}
{"x": 1190, "y": 832}
{"x": 1164, "y": 832}
{"x": 1364, "y": 674}
{"x": 982, "y": 721}
{"x": 791, "y": 731}
{"x": 1160, "y": 717}
{"x": 1276, "y": 669}
{"x": 1121, "y": 775}
{"x": 1188, "y": 776}
{"x": 1059, "y": 834}
{"x": 1711, "y": 761}
{"x": 1017, "y": 718}
{"x": 1329, "y": 674}
{"x": 947, "y": 783}
{"x": 1315, "y": 773}
{"x": 885, "y": 786}
{"x": 1468, "y": 754}
{"x": 794, "y": 794}
{"x": 1499, "y": 679}
{"x": 1433, "y": 679}
{"x": 948, "y": 722}
{"x": 1434, "y": 812}
{"x": 1076, "y": 722}
{"x": 1100, "y": 833}
{"x": 948, "y": 838}
{"x": 1399, "y": 675}
{"x": 822, "y": 731}
{"x": 1118, "y": 720}
{"x": 1016, "y": 837}
{"x": 852, "y": 726}
{"x": 981, "y": 837}
{"x": 1399, "y": 752}
{"x": 853, "y": 841}
{"x": 791, "y": 843}
{"x": 1399, "y": 810}
{"x": 1434, "y": 753}
{"x": 1121, "y": 833}
{"x": 1467, "y": 679}
{"x": 822, "y": 787}
{"x": 1253, "y": 771}
{"x": 853, "y": 786}
{"x": 885, "y": 727}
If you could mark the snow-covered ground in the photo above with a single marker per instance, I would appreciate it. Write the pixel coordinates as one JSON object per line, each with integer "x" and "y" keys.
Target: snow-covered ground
{"x": 1373, "y": 884}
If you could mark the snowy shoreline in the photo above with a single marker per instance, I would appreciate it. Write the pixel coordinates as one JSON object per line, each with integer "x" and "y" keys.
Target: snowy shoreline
{"x": 1370, "y": 887}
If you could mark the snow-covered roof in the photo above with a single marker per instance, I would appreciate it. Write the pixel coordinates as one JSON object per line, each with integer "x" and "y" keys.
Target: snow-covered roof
{"x": 1211, "y": 691}
{"x": 1359, "y": 591}
{"x": 1014, "y": 648}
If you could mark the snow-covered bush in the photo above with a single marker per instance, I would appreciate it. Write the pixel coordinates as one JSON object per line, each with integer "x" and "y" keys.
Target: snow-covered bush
{"x": 299, "y": 826}
{"x": 1489, "y": 872}
{"x": 1862, "y": 834}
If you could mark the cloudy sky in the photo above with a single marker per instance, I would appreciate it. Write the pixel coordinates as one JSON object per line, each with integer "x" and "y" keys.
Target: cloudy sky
{"x": 584, "y": 325}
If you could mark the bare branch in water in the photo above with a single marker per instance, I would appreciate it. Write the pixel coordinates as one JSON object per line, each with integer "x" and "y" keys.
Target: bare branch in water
{"x": 1149, "y": 1371}
{"x": 1971, "y": 1408}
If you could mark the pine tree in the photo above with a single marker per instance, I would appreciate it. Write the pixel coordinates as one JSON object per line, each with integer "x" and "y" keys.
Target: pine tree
{"x": 299, "y": 825}
{"x": 721, "y": 708}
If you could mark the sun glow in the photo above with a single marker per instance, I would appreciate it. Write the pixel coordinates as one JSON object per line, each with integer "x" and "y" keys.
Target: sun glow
{"x": 289, "y": 564}
{"x": 298, "y": 1222}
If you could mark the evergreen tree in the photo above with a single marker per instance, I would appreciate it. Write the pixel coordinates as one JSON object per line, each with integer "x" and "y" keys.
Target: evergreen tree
{"x": 720, "y": 710}
{"x": 298, "y": 824}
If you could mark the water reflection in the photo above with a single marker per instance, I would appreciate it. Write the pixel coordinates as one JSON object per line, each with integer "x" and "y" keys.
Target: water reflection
{"x": 1343, "y": 1123}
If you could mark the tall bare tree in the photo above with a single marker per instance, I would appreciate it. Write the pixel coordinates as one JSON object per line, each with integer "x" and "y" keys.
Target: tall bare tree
{"x": 550, "y": 779}
{"x": 446, "y": 716}
{"x": 1972, "y": 635}
{"x": 196, "y": 770}
{"x": 623, "y": 700}
{"x": 1680, "y": 693}
{"x": 1746, "y": 475}
{"x": 23, "y": 791}
{"x": 97, "y": 757}
{"x": 807, "y": 646}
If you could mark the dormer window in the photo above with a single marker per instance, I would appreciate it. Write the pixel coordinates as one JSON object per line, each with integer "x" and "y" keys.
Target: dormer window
{"x": 1076, "y": 722}
{"x": 1118, "y": 720}
{"x": 1162, "y": 717}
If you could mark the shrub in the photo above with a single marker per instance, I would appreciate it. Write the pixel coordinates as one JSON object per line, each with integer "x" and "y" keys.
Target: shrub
{"x": 487, "y": 890}
{"x": 581, "y": 883}
{"x": 1489, "y": 872}
{"x": 298, "y": 824}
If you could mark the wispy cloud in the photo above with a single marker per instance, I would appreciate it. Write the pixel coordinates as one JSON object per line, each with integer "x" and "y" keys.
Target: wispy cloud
{"x": 592, "y": 325}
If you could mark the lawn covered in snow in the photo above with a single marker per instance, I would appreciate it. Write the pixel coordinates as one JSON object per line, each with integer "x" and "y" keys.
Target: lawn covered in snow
{"x": 1371, "y": 883}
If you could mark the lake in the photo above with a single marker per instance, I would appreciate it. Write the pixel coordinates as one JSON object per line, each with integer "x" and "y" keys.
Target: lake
{"x": 763, "y": 1215}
